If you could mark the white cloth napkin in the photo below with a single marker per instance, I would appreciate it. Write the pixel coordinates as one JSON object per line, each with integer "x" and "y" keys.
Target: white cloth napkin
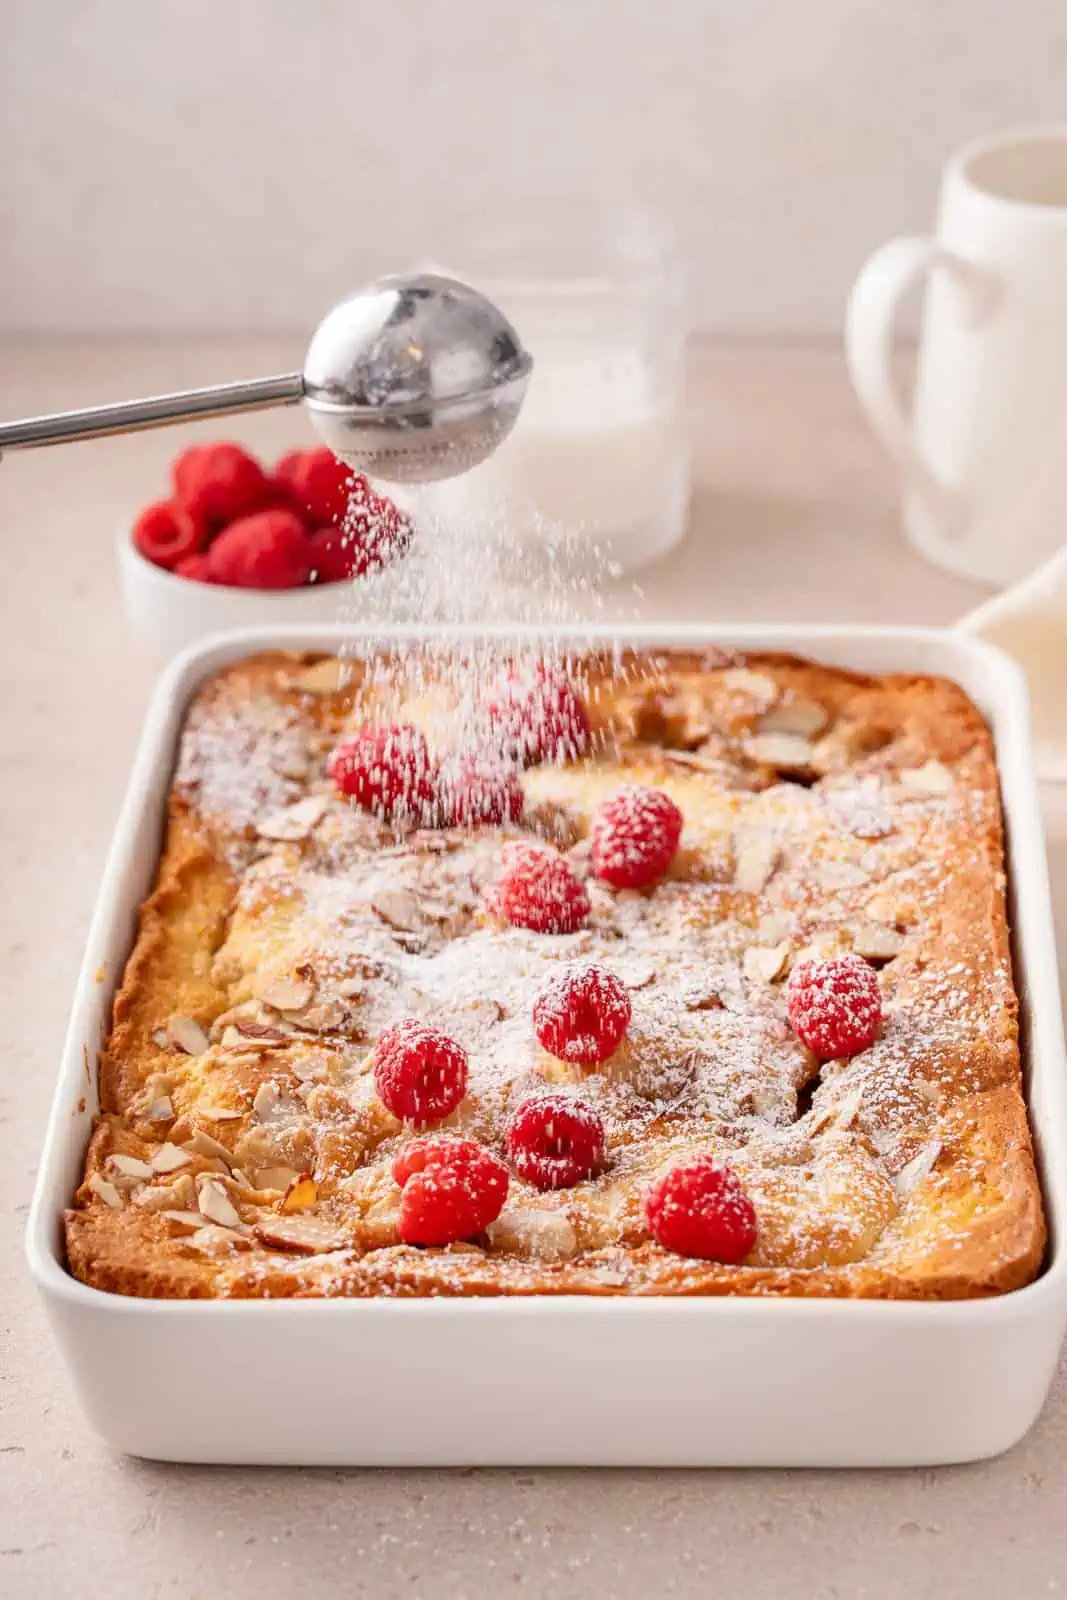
{"x": 1029, "y": 622}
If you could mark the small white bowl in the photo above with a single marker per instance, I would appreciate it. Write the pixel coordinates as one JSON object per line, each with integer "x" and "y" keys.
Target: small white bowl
{"x": 169, "y": 613}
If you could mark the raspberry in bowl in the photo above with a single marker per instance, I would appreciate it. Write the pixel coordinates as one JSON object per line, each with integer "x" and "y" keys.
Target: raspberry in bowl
{"x": 237, "y": 543}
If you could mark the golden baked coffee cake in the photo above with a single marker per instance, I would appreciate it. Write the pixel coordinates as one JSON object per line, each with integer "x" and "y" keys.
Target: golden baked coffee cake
{"x": 692, "y": 977}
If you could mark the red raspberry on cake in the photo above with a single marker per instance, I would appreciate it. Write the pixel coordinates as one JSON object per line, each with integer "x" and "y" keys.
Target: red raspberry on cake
{"x": 834, "y": 1005}
{"x": 699, "y": 1208}
{"x": 453, "y": 1190}
{"x": 539, "y": 890}
{"x": 267, "y": 551}
{"x": 420, "y": 1073}
{"x": 217, "y": 483}
{"x": 318, "y": 482}
{"x": 477, "y": 792}
{"x": 166, "y": 534}
{"x": 390, "y": 771}
{"x": 554, "y": 1141}
{"x": 634, "y": 837}
{"x": 539, "y": 717}
{"x": 582, "y": 1014}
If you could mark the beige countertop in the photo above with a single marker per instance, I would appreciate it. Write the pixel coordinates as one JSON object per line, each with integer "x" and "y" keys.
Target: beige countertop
{"x": 793, "y": 520}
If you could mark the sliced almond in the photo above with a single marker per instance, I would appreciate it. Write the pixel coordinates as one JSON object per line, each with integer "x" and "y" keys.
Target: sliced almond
{"x": 266, "y": 1102}
{"x": 167, "y": 1196}
{"x": 215, "y": 1204}
{"x": 787, "y": 752}
{"x": 182, "y": 1217}
{"x": 188, "y": 1035}
{"x": 275, "y": 1178}
{"x": 877, "y": 942}
{"x": 309, "y": 1235}
{"x": 213, "y": 1239}
{"x": 169, "y": 1157}
{"x": 106, "y": 1191}
{"x": 202, "y": 1144}
{"x": 131, "y": 1167}
{"x": 933, "y": 778}
{"x": 530, "y": 1232}
{"x": 286, "y": 994}
{"x": 301, "y": 1194}
{"x": 804, "y": 718}
{"x": 327, "y": 1017}
{"x": 774, "y": 927}
{"x": 216, "y": 1114}
{"x": 161, "y": 1037}
{"x": 765, "y": 963}
{"x": 756, "y": 856}
{"x": 841, "y": 875}
{"x": 399, "y": 909}
{"x": 161, "y": 1110}
{"x": 636, "y": 974}
{"x": 742, "y": 680}
{"x": 917, "y": 1170}
{"x": 702, "y": 997}
{"x": 262, "y": 1032}
{"x": 294, "y": 822}
{"x": 323, "y": 677}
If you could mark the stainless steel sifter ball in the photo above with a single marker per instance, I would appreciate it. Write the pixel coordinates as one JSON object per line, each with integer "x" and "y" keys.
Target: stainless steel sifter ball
{"x": 410, "y": 379}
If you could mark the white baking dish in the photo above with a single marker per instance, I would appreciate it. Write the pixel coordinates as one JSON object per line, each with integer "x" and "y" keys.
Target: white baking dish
{"x": 569, "y": 1381}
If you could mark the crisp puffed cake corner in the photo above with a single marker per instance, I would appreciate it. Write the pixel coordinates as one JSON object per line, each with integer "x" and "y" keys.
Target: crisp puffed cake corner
{"x": 253, "y": 1086}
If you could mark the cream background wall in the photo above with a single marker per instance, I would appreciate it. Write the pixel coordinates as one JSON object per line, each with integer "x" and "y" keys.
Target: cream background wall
{"x": 181, "y": 164}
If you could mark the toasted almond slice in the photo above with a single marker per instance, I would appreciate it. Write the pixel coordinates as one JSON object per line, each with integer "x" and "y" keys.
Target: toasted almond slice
{"x": 877, "y": 942}
{"x": 322, "y": 677}
{"x": 188, "y": 1035}
{"x": 275, "y": 1178}
{"x": 214, "y": 1238}
{"x": 841, "y": 875}
{"x": 216, "y": 1114}
{"x": 296, "y": 821}
{"x": 933, "y": 778}
{"x": 202, "y": 1144}
{"x": 917, "y": 1170}
{"x": 286, "y": 994}
{"x": 399, "y": 909}
{"x": 764, "y": 963}
{"x": 215, "y": 1204}
{"x": 185, "y": 1219}
{"x": 531, "y": 1232}
{"x": 161, "y": 1110}
{"x": 161, "y": 1037}
{"x": 702, "y": 997}
{"x": 131, "y": 1167}
{"x": 301, "y": 1194}
{"x": 756, "y": 856}
{"x": 636, "y": 974}
{"x": 167, "y": 1196}
{"x": 742, "y": 680}
{"x": 169, "y": 1157}
{"x": 786, "y": 751}
{"x": 309, "y": 1235}
{"x": 105, "y": 1191}
{"x": 327, "y": 1017}
{"x": 805, "y": 718}
{"x": 266, "y": 1102}
{"x": 351, "y": 988}
{"x": 774, "y": 927}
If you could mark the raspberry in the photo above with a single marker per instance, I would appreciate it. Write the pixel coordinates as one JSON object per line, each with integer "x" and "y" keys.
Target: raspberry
{"x": 165, "y": 534}
{"x": 539, "y": 890}
{"x": 540, "y": 718}
{"x": 378, "y": 530}
{"x": 267, "y": 551}
{"x": 334, "y": 558}
{"x": 318, "y": 482}
{"x": 479, "y": 793}
{"x": 581, "y": 1015}
{"x": 554, "y": 1141}
{"x": 419, "y": 1072}
{"x": 700, "y": 1209}
{"x": 217, "y": 483}
{"x": 195, "y": 567}
{"x": 634, "y": 837}
{"x": 453, "y": 1189}
{"x": 389, "y": 771}
{"x": 834, "y": 1005}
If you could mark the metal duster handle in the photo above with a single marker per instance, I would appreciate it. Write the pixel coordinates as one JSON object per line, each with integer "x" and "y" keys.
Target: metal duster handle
{"x": 159, "y": 411}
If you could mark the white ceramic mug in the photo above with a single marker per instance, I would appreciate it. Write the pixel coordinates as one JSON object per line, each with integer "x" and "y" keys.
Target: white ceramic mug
{"x": 983, "y": 459}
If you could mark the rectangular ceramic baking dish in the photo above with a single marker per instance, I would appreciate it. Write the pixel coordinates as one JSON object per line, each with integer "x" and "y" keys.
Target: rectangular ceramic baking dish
{"x": 567, "y": 1381}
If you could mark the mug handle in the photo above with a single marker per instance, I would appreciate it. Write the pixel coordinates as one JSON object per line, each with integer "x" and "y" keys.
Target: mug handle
{"x": 888, "y": 274}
